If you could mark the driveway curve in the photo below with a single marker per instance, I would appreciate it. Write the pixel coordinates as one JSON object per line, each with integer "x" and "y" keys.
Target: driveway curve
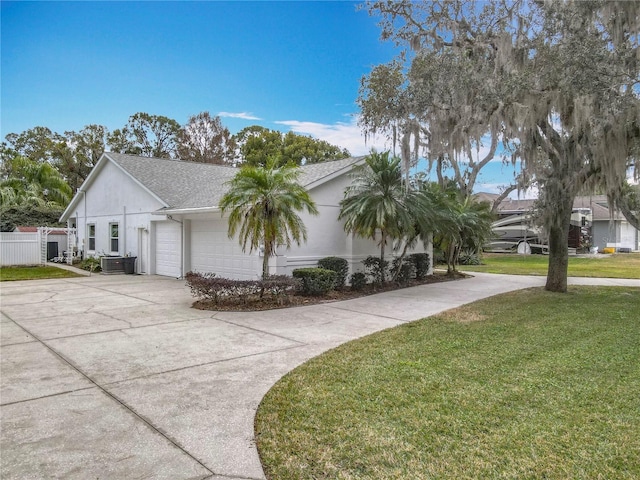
{"x": 117, "y": 377}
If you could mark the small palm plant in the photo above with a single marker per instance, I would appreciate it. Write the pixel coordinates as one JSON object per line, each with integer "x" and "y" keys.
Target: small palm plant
{"x": 262, "y": 203}
{"x": 377, "y": 201}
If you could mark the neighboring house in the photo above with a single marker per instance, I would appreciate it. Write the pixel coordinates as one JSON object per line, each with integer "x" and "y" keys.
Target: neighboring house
{"x": 608, "y": 230}
{"x": 165, "y": 213}
{"x": 590, "y": 215}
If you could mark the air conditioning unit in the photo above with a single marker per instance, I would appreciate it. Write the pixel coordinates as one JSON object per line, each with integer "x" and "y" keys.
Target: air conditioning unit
{"x": 112, "y": 264}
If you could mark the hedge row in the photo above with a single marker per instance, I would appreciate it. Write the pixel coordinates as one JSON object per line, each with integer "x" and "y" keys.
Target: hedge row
{"x": 207, "y": 286}
{"x": 331, "y": 274}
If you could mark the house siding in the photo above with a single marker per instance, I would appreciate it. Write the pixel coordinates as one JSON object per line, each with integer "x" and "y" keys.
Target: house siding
{"x": 114, "y": 197}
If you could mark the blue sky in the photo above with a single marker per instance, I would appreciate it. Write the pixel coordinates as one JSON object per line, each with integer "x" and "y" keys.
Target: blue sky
{"x": 283, "y": 65}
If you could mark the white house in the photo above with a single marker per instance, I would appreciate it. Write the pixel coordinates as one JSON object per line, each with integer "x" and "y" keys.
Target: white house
{"x": 165, "y": 213}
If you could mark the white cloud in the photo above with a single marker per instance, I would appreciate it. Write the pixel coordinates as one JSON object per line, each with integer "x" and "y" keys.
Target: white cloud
{"x": 242, "y": 115}
{"x": 530, "y": 193}
{"x": 343, "y": 134}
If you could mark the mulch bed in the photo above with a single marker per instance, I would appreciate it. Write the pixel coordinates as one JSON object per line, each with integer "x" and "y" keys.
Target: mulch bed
{"x": 270, "y": 303}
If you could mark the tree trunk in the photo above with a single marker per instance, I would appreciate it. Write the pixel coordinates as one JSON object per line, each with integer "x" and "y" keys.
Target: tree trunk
{"x": 559, "y": 243}
{"x": 382, "y": 269}
{"x": 265, "y": 261}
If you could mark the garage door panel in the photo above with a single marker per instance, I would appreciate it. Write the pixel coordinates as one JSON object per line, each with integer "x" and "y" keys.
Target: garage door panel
{"x": 212, "y": 251}
{"x": 168, "y": 249}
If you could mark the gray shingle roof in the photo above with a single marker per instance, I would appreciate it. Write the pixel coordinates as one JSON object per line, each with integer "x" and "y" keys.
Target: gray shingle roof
{"x": 185, "y": 185}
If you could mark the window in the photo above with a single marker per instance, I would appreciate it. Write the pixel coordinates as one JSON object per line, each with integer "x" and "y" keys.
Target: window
{"x": 91, "y": 236}
{"x": 113, "y": 237}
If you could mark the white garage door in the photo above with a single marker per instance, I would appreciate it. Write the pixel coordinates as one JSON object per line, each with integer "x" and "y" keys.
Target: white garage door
{"x": 168, "y": 249}
{"x": 213, "y": 252}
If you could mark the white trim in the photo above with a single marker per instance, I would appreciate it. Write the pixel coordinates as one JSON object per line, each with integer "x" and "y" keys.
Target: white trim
{"x": 185, "y": 211}
{"x": 335, "y": 174}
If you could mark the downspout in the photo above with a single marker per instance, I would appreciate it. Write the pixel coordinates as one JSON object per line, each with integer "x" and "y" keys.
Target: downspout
{"x": 124, "y": 230}
{"x": 84, "y": 235}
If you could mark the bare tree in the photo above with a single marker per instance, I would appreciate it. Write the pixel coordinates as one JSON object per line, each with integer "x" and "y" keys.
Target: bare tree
{"x": 204, "y": 139}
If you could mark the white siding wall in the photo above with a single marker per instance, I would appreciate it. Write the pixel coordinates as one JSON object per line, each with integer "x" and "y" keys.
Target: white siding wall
{"x": 326, "y": 235}
{"x": 115, "y": 198}
{"x": 628, "y": 236}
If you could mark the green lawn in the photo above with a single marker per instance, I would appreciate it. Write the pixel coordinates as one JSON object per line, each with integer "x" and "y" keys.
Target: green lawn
{"x": 622, "y": 265}
{"x": 35, "y": 272}
{"x": 525, "y": 385}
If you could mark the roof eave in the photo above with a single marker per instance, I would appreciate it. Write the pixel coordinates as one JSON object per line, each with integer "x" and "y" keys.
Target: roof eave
{"x": 186, "y": 211}
{"x": 335, "y": 174}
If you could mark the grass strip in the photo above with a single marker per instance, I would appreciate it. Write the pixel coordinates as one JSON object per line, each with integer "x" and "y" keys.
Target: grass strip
{"x": 36, "y": 272}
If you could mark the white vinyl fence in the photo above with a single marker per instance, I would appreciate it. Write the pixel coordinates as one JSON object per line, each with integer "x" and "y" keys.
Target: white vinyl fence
{"x": 30, "y": 248}
{"x": 20, "y": 248}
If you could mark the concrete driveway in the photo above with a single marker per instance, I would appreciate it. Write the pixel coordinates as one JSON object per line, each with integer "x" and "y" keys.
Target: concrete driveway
{"x": 113, "y": 377}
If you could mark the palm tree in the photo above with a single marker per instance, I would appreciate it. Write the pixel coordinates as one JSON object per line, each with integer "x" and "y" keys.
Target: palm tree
{"x": 34, "y": 183}
{"x": 461, "y": 223}
{"x": 262, "y": 204}
{"x": 377, "y": 201}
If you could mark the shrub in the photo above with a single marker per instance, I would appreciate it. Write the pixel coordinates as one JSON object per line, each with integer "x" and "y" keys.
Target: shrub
{"x": 279, "y": 287}
{"x": 315, "y": 281}
{"x": 469, "y": 258}
{"x": 209, "y": 287}
{"x": 91, "y": 264}
{"x": 338, "y": 265}
{"x": 421, "y": 263}
{"x": 404, "y": 270}
{"x": 358, "y": 281}
{"x": 374, "y": 267}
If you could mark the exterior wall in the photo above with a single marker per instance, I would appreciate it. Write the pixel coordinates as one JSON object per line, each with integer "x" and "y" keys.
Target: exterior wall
{"x": 600, "y": 234}
{"x": 114, "y": 197}
{"x": 622, "y": 235}
{"x": 326, "y": 236}
{"x": 628, "y": 236}
{"x": 61, "y": 240}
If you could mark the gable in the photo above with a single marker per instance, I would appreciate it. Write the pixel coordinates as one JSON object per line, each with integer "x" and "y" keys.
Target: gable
{"x": 109, "y": 190}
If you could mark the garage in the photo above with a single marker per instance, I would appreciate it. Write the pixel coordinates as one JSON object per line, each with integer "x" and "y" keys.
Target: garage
{"x": 213, "y": 252}
{"x": 168, "y": 249}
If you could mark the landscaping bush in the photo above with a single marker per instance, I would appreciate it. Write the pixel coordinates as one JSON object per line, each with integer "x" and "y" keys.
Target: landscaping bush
{"x": 315, "y": 281}
{"x": 209, "y": 287}
{"x": 91, "y": 264}
{"x": 374, "y": 267}
{"x": 358, "y": 281}
{"x": 421, "y": 264}
{"x": 280, "y": 286}
{"x": 403, "y": 270}
{"x": 469, "y": 258}
{"x": 338, "y": 265}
